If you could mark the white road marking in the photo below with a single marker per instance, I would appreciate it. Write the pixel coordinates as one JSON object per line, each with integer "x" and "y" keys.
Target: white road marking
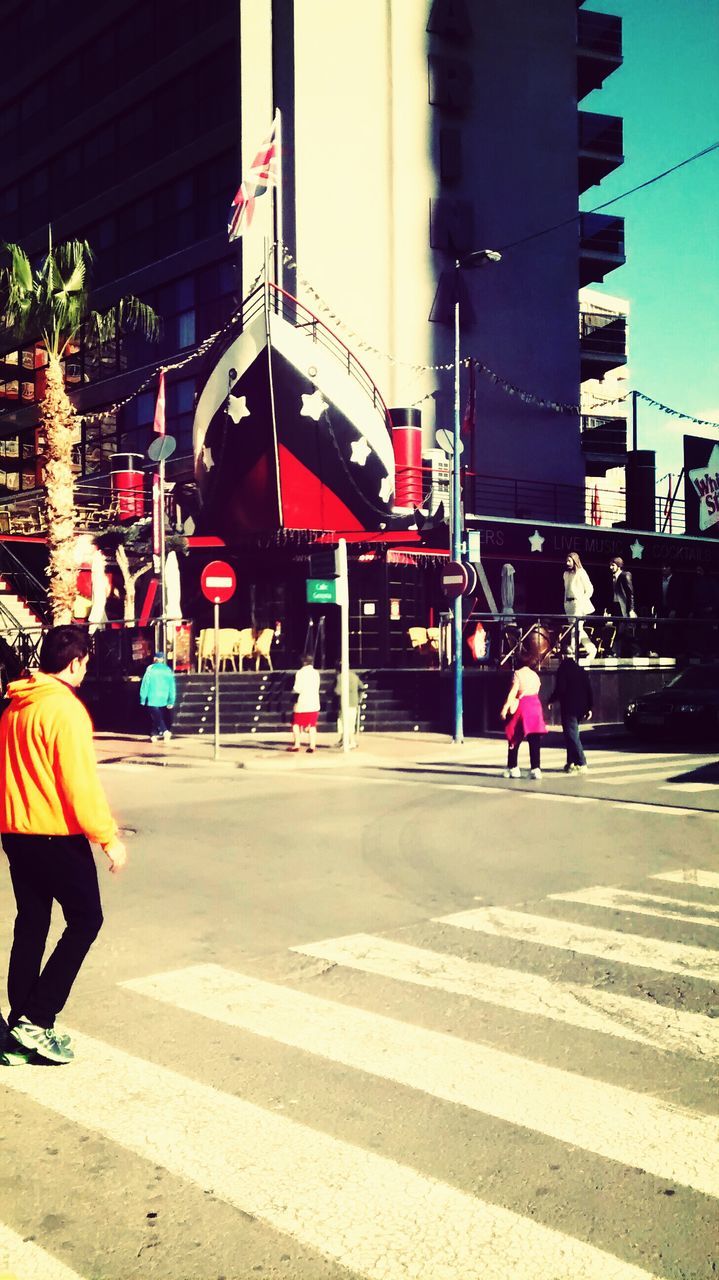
{"x": 553, "y": 795}
{"x": 704, "y": 879}
{"x": 662, "y": 1028}
{"x": 667, "y": 810}
{"x": 643, "y": 904}
{"x": 625, "y": 948}
{"x": 22, "y": 1260}
{"x": 661, "y": 765}
{"x": 370, "y": 1214}
{"x": 668, "y": 1141}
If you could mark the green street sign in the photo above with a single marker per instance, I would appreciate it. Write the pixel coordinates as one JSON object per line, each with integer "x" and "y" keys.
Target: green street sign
{"x": 322, "y": 591}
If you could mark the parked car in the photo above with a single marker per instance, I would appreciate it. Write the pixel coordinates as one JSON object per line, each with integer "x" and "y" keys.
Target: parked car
{"x": 687, "y": 707}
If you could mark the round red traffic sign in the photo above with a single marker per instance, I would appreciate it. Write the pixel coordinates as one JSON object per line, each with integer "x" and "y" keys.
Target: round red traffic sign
{"x": 454, "y": 579}
{"x": 218, "y": 581}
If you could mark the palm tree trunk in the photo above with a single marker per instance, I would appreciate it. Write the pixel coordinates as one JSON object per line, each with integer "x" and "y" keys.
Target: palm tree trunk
{"x": 57, "y": 418}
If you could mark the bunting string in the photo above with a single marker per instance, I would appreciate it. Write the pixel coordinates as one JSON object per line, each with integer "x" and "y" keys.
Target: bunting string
{"x": 503, "y": 384}
{"x": 205, "y": 346}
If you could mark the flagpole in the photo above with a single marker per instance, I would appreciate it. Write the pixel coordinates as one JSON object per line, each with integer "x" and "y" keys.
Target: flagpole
{"x": 279, "y": 225}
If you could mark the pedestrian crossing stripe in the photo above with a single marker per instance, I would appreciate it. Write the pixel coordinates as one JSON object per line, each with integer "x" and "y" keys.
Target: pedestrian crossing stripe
{"x": 23, "y": 1260}
{"x": 624, "y": 948}
{"x": 704, "y": 879}
{"x": 668, "y": 1141}
{"x": 589, "y": 1008}
{"x": 644, "y": 904}
{"x": 372, "y": 1215}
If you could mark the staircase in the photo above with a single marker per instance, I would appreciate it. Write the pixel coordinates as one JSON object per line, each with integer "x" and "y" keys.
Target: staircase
{"x": 262, "y": 702}
{"x": 15, "y": 613}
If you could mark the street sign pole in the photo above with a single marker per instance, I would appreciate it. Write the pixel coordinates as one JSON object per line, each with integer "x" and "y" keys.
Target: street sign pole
{"x": 217, "y": 680}
{"x": 218, "y": 583}
{"x": 455, "y": 550}
{"x": 343, "y": 601}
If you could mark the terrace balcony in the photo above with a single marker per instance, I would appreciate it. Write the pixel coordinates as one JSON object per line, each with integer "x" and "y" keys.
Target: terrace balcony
{"x": 601, "y": 147}
{"x": 601, "y": 246}
{"x": 599, "y": 49}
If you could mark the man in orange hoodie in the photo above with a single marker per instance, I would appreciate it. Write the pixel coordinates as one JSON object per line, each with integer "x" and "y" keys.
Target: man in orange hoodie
{"x": 51, "y": 806}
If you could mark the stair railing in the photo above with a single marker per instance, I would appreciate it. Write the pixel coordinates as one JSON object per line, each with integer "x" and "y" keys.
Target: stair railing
{"x": 28, "y": 587}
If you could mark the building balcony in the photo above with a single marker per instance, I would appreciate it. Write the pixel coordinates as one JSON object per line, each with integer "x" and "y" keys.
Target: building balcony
{"x": 604, "y": 443}
{"x": 599, "y": 49}
{"x": 601, "y": 246}
{"x": 602, "y": 343}
{"x": 601, "y": 144}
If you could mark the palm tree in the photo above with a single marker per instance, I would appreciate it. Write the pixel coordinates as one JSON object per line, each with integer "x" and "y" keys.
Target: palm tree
{"x": 52, "y": 305}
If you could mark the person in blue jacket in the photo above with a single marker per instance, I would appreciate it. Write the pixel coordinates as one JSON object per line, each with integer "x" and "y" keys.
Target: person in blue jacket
{"x": 157, "y": 693}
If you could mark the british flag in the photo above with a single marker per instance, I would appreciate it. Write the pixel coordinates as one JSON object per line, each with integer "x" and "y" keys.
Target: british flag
{"x": 262, "y": 174}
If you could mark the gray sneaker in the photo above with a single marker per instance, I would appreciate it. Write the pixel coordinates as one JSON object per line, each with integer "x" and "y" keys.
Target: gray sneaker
{"x": 44, "y": 1041}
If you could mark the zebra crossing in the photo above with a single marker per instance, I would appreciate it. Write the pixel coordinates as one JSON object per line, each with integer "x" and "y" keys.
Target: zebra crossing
{"x": 614, "y": 769}
{"x": 373, "y": 1212}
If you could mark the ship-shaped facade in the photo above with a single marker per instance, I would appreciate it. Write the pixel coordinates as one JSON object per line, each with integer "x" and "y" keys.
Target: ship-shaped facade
{"x": 290, "y": 431}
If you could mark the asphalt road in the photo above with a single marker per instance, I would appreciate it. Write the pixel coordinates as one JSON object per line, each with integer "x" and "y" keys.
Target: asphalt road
{"x": 416, "y": 1022}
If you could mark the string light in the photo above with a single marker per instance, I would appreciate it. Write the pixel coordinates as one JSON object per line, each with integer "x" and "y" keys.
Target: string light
{"x": 509, "y": 388}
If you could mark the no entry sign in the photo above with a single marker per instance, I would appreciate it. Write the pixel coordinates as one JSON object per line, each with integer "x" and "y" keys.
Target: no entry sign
{"x": 454, "y": 579}
{"x": 218, "y": 581}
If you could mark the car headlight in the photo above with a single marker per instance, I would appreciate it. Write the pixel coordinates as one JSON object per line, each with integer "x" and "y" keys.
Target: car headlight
{"x": 631, "y": 709}
{"x": 688, "y": 708}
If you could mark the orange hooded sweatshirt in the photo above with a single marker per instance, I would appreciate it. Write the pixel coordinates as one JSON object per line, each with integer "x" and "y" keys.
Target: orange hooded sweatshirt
{"x": 48, "y": 771}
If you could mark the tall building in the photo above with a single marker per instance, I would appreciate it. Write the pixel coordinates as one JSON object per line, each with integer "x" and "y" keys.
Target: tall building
{"x": 412, "y": 134}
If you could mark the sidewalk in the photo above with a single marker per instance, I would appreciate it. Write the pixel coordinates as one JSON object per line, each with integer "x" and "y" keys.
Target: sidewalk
{"x": 269, "y": 752}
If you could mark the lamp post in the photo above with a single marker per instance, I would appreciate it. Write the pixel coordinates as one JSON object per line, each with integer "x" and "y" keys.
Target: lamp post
{"x": 476, "y": 259}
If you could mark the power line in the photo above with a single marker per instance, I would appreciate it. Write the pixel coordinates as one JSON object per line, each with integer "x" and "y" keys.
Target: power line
{"x": 714, "y": 146}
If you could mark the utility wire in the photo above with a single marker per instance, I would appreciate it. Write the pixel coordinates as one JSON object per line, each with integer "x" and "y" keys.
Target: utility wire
{"x": 714, "y": 146}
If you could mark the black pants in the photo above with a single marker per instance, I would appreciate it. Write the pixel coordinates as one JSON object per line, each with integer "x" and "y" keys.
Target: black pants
{"x": 44, "y": 869}
{"x": 572, "y": 741}
{"x": 158, "y": 721}
{"x": 535, "y": 741}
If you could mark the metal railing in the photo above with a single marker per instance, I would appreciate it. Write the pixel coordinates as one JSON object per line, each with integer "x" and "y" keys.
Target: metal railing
{"x": 24, "y": 583}
{"x": 600, "y": 134}
{"x": 599, "y": 33}
{"x": 601, "y": 233}
{"x": 304, "y": 320}
{"x": 513, "y": 637}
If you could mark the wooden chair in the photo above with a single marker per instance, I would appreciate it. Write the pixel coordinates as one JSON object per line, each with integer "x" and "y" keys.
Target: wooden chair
{"x": 206, "y": 649}
{"x": 418, "y": 637}
{"x": 245, "y": 644}
{"x": 263, "y": 644}
{"x": 228, "y": 644}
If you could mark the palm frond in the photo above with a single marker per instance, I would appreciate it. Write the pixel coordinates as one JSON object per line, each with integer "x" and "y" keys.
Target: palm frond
{"x": 19, "y": 271}
{"x": 136, "y": 315}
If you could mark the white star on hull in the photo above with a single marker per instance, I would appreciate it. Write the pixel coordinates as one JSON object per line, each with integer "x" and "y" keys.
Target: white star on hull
{"x": 313, "y": 406}
{"x": 237, "y": 408}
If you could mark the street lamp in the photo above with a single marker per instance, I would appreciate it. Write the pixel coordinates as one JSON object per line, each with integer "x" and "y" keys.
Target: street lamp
{"x": 477, "y": 259}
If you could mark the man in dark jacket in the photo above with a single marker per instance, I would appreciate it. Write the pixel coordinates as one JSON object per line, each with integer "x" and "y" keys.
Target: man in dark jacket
{"x": 622, "y": 608}
{"x": 573, "y": 691}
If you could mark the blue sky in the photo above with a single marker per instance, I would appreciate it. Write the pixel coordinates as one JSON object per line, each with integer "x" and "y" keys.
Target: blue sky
{"x": 667, "y": 91}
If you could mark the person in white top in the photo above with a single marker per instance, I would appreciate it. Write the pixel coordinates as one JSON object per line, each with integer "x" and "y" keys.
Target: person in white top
{"x": 307, "y": 704}
{"x": 578, "y": 592}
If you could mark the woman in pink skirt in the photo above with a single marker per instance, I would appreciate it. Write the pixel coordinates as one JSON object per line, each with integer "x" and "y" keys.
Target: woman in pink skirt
{"x": 523, "y": 717}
